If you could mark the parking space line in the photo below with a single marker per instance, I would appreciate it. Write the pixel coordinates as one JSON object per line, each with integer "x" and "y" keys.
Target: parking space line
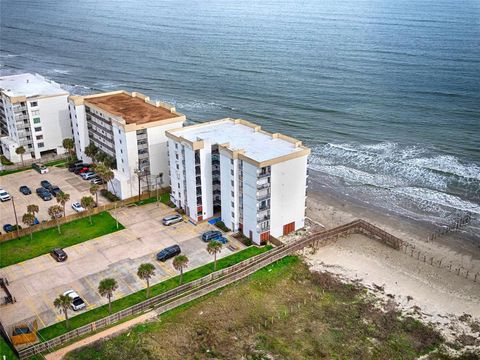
{"x": 34, "y": 310}
{"x": 167, "y": 269}
{"x": 87, "y": 280}
{"x": 123, "y": 281}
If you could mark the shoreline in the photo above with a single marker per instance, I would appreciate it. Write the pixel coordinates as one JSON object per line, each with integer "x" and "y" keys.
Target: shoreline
{"x": 434, "y": 295}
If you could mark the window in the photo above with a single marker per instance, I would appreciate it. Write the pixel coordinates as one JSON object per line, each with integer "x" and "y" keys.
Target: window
{"x": 231, "y": 171}
{"x": 33, "y": 103}
{"x": 176, "y": 156}
{"x": 233, "y": 194}
{"x": 36, "y": 120}
{"x": 233, "y": 204}
{"x": 39, "y": 137}
{"x": 233, "y": 214}
{"x": 233, "y": 184}
{"x": 176, "y": 146}
{"x": 29, "y": 146}
{"x": 121, "y": 151}
{"x": 35, "y": 112}
{"x": 39, "y": 128}
{"x": 40, "y": 145}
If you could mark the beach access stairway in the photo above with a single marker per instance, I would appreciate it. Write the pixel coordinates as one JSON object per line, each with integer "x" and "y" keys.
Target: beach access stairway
{"x": 219, "y": 279}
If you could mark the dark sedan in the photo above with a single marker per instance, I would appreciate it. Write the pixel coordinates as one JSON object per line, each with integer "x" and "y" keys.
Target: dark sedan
{"x": 25, "y": 190}
{"x": 46, "y": 184}
{"x": 44, "y": 194}
{"x": 168, "y": 253}
{"x": 59, "y": 254}
{"x": 10, "y": 228}
{"x": 55, "y": 190}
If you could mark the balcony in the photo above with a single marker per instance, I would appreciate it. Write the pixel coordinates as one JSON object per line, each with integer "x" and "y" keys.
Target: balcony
{"x": 263, "y": 195}
{"x": 197, "y": 171}
{"x": 264, "y": 174}
{"x": 264, "y": 207}
{"x": 262, "y": 186}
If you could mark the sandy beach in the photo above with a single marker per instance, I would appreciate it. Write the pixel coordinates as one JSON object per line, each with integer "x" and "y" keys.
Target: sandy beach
{"x": 433, "y": 294}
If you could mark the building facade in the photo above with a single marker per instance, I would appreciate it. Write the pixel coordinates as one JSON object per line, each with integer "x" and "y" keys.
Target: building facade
{"x": 33, "y": 114}
{"x": 256, "y": 180}
{"x": 129, "y": 128}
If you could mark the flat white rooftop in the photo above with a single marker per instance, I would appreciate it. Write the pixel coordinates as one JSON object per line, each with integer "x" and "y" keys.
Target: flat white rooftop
{"x": 241, "y": 135}
{"x": 29, "y": 85}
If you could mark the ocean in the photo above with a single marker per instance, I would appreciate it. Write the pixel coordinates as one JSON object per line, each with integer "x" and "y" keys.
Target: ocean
{"x": 386, "y": 93}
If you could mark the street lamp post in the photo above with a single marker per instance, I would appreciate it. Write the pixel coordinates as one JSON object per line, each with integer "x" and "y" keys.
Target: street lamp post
{"x": 16, "y": 219}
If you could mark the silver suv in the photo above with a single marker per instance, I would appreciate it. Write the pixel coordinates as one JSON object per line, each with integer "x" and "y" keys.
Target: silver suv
{"x": 172, "y": 219}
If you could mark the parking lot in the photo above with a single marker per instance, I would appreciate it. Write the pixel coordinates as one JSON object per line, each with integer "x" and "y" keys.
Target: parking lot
{"x": 68, "y": 182}
{"x": 36, "y": 283}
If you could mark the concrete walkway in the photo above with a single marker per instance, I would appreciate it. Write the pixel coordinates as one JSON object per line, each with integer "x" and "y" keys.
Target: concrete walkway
{"x": 115, "y": 330}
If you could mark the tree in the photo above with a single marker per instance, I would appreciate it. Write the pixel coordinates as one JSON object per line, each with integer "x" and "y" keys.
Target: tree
{"x": 180, "y": 262}
{"x": 213, "y": 248}
{"x": 105, "y": 173}
{"x": 20, "y": 151}
{"x": 55, "y": 212}
{"x": 62, "y": 199}
{"x": 88, "y": 204}
{"x": 91, "y": 150}
{"x": 29, "y": 220}
{"x": 94, "y": 191}
{"x": 63, "y": 302}
{"x": 106, "y": 288}
{"x": 33, "y": 209}
{"x": 145, "y": 272}
{"x": 68, "y": 144}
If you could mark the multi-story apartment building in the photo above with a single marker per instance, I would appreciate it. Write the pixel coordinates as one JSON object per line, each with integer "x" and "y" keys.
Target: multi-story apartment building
{"x": 131, "y": 129}
{"x": 255, "y": 179}
{"x": 33, "y": 114}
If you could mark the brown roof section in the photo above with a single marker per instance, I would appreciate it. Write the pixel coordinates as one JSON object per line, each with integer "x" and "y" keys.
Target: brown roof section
{"x": 132, "y": 109}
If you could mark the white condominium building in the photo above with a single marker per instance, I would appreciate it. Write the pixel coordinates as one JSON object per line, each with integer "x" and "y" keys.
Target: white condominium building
{"x": 131, "y": 129}
{"x": 255, "y": 179}
{"x": 33, "y": 114}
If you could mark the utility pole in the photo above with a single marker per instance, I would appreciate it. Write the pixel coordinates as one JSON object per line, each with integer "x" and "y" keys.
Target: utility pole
{"x": 16, "y": 219}
{"x": 160, "y": 176}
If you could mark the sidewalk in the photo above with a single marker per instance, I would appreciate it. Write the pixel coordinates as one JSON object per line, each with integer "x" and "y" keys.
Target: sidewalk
{"x": 59, "y": 354}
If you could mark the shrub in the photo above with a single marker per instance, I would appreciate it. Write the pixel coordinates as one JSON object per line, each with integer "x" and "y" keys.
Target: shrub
{"x": 5, "y": 161}
{"x": 221, "y": 225}
{"x": 243, "y": 239}
{"x": 109, "y": 195}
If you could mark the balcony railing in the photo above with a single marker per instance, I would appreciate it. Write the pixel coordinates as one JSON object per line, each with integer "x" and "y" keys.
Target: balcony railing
{"x": 264, "y": 174}
{"x": 263, "y": 186}
{"x": 263, "y": 195}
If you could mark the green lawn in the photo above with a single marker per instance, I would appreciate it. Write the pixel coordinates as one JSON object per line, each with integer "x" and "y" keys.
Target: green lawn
{"x": 164, "y": 198}
{"x": 56, "y": 163}
{"x": 6, "y": 351}
{"x": 132, "y": 299}
{"x": 74, "y": 232}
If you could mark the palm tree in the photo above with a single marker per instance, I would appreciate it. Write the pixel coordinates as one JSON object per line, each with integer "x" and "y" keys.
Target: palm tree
{"x": 33, "y": 209}
{"x": 105, "y": 173}
{"x": 20, "y": 151}
{"x": 63, "y": 302}
{"x": 145, "y": 272}
{"x": 68, "y": 144}
{"x": 179, "y": 263}
{"x": 88, "y": 203}
{"x": 29, "y": 220}
{"x": 214, "y": 247}
{"x": 106, "y": 288}
{"x": 94, "y": 191}
{"x": 91, "y": 150}
{"x": 62, "y": 199}
{"x": 55, "y": 212}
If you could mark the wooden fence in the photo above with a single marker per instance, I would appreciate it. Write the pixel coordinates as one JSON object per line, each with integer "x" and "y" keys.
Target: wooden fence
{"x": 197, "y": 288}
{"x": 63, "y": 220}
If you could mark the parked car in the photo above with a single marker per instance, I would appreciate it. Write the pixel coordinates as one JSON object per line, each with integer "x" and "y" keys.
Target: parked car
{"x": 85, "y": 169}
{"x": 44, "y": 194}
{"x": 4, "y": 196}
{"x": 25, "y": 190}
{"x": 10, "y": 228}
{"x": 59, "y": 254}
{"x": 97, "y": 180}
{"x": 88, "y": 175}
{"x": 168, "y": 253}
{"x": 222, "y": 240}
{"x": 42, "y": 169}
{"x": 76, "y": 166}
{"x": 211, "y": 235}
{"x": 55, "y": 190}
{"x": 77, "y": 301}
{"x": 35, "y": 222}
{"x": 46, "y": 184}
{"x": 78, "y": 207}
{"x": 80, "y": 170}
{"x": 172, "y": 219}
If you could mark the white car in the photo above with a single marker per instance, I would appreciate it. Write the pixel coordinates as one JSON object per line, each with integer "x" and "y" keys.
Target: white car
{"x": 78, "y": 207}
{"x": 4, "y": 196}
{"x": 88, "y": 175}
{"x": 77, "y": 302}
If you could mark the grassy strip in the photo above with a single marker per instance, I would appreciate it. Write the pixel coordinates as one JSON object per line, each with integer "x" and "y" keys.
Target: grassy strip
{"x": 164, "y": 198}
{"x": 132, "y": 299}
{"x": 74, "y": 232}
{"x": 8, "y": 172}
{"x": 6, "y": 351}
{"x": 56, "y": 163}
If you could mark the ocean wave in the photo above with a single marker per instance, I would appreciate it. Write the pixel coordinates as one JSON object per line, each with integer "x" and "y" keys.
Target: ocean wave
{"x": 449, "y": 165}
